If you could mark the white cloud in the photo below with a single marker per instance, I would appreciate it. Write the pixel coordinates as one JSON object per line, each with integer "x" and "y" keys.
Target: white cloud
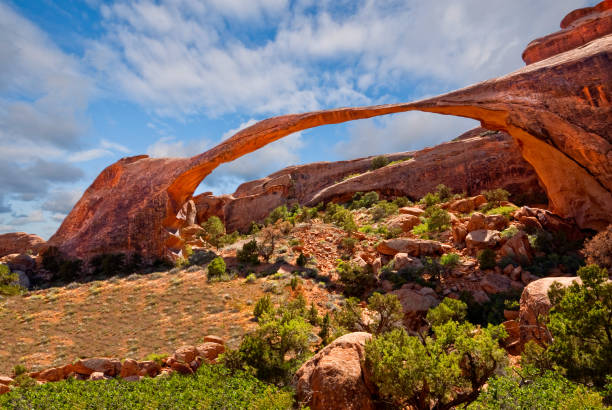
{"x": 114, "y": 146}
{"x": 232, "y": 132}
{"x": 170, "y": 147}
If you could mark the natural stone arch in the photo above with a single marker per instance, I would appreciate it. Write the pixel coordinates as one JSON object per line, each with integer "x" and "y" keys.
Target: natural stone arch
{"x": 133, "y": 204}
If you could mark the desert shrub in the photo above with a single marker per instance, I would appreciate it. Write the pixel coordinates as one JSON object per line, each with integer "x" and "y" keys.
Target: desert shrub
{"x": 449, "y": 260}
{"x": 386, "y": 314}
{"x": 509, "y": 232}
{"x": 445, "y": 369}
{"x": 250, "y": 278}
{"x": 502, "y": 210}
{"x": 492, "y": 311}
{"x": 254, "y": 228}
{"x": 280, "y": 343}
{"x": 443, "y": 192}
{"x": 108, "y": 264}
{"x": 387, "y": 233}
{"x": 262, "y": 306}
{"x": 349, "y": 244}
{"x": 157, "y": 358}
{"x": 313, "y": 315}
{"x": 549, "y": 391}
{"x": 229, "y": 239}
{"x": 430, "y": 199}
{"x": 382, "y": 209}
{"x": 268, "y": 238}
{"x": 356, "y": 280}
{"x": 216, "y": 268}
{"x": 213, "y": 231}
{"x": 278, "y": 213}
{"x": 581, "y": 326}
{"x": 248, "y": 254}
{"x": 212, "y": 387}
{"x": 598, "y": 250}
{"x": 9, "y": 282}
{"x": 379, "y": 162}
{"x": 486, "y": 259}
{"x": 62, "y": 268}
{"x": 433, "y": 268}
{"x": 301, "y": 260}
{"x": 361, "y": 200}
{"x": 401, "y": 201}
{"x": 294, "y": 282}
{"x": 181, "y": 263}
{"x": 437, "y": 218}
{"x": 495, "y": 197}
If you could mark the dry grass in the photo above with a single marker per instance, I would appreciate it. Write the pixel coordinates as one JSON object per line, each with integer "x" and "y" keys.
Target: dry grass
{"x": 126, "y": 318}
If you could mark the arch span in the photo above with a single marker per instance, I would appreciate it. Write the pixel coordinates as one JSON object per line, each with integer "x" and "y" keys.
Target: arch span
{"x": 558, "y": 110}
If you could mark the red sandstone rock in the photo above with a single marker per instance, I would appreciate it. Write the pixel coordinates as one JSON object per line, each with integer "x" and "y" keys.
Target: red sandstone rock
{"x": 334, "y": 377}
{"x": 129, "y": 367}
{"x": 534, "y": 307}
{"x": 482, "y": 238}
{"x": 109, "y": 367}
{"x": 5, "y": 380}
{"x": 557, "y": 110}
{"x": 185, "y": 354}
{"x": 578, "y": 28}
{"x": 413, "y": 247}
{"x": 19, "y": 242}
{"x": 209, "y": 351}
{"x": 4, "y": 389}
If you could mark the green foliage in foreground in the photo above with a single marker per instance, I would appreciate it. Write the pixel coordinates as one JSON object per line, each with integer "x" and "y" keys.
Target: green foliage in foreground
{"x": 212, "y": 387}
{"x": 550, "y": 391}
{"x": 9, "y": 282}
{"x": 443, "y": 369}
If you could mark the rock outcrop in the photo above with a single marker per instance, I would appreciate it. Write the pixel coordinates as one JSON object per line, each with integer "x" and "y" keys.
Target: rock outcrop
{"x": 334, "y": 377}
{"x": 19, "y": 242}
{"x": 577, "y": 28}
{"x": 557, "y": 110}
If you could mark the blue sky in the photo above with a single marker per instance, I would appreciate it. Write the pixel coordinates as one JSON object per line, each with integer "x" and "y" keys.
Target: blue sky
{"x": 84, "y": 83}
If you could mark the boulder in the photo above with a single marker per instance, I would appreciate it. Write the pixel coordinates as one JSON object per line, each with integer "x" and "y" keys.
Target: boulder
{"x": 415, "y": 303}
{"x": 411, "y": 210}
{"x": 413, "y": 247}
{"x": 467, "y": 205}
{"x": 107, "y": 366}
{"x": 4, "y": 389}
{"x": 209, "y": 351}
{"x": 334, "y": 377}
{"x": 534, "y": 307}
{"x": 482, "y": 238}
{"x": 459, "y": 232}
{"x": 496, "y": 222}
{"x": 477, "y": 222}
{"x": 405, "y": 222}
{"x": 97, "y": 376}
{"x": 179, "y": 367}
{"x": 148, "y": 368}
{"x": 518, "y": 248}
{"x": 214, "y": 339}
{"x": 495, "y": 283}
{"x": 129, "y": 368}
{"x": 402, "y": 260}
{"x": 185, "y": 354}
{"x": 5, "y": 380}
{"x": 19, "y": 262}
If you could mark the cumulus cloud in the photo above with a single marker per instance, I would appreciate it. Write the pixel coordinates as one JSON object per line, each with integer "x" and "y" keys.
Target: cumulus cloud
{"x": 61, "y": 202}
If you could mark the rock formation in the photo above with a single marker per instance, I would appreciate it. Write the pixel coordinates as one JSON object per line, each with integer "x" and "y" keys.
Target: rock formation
{"x": 476, "y": 161}
{"x": 557, "y": 110}
{"x": 334, "y": 378}
{"x": 19, "y": 242}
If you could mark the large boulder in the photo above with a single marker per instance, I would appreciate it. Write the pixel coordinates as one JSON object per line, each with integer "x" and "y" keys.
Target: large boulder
{"x": 334, "y": 377}
{"x": 104, "y": 365}
{"x": 209, "y": 351}
{"x": 535, "y": 305}
{"x": 415, "y": 304}
{"x": 495, "y": 283}
{"x": 412, "y": 247}
{"x": 402, "y": 260}
{"x": 405, "y": 222}
{"x": 482, "y": 238}
{"x": 518, "y": 248}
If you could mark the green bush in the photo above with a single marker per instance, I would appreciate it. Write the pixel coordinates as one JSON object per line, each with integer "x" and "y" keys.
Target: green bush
{"x": 449, "y": 260}
{"x": 263, "y": 306}
{"x": 250, "y": 278}
{"x": 280, "y": 344}
{"x": 216, "y": 268}
{"x": 213, "y": 231}
{"x": 495, "y": 197}
{"x": 349, "y": 244}
{"x": 63, "y": 269}
{"x": 580, "y": 323}
{"x": 401, "y": 201}
{"x": 212, "y": 387}
{"x": 248, "y": 254}
{"x": 157, "y": 358}
{"x": 383, "y": 209}
{"x": 430, "y": 199}
{"x": 387, "y": 314}
{"x": 502, "y": 210}
{"x": 9, "y": 282}
{"x": 302, "y": 260}
{"x": 379, "y": 162}
{"x": 549, "y": 391}
{"x": 492, "y": 311}
{"x": 445, "y": 369}
{"x": 509, "y": 232}
{"x": 598, "y": 250}
{"x": 278, "y": 213}
{"x": 361, "y": 200}
{"x": 437, "y": 218}
{"x": 356, "y": 280}
{"x": 444, "y": 193}
{"x": 486, "y": 259}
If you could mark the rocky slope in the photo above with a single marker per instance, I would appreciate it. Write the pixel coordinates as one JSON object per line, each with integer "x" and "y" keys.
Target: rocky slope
{"x": 558, "y": 110}
{"x": 476, "y": 161}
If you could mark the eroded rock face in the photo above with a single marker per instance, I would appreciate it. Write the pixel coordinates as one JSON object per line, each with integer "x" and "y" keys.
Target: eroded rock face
{"x": 334, "y": 377}
{"x": 557, "y": 110}
{"x": 19, "y": 242}
{"x": 578, "y": 28}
